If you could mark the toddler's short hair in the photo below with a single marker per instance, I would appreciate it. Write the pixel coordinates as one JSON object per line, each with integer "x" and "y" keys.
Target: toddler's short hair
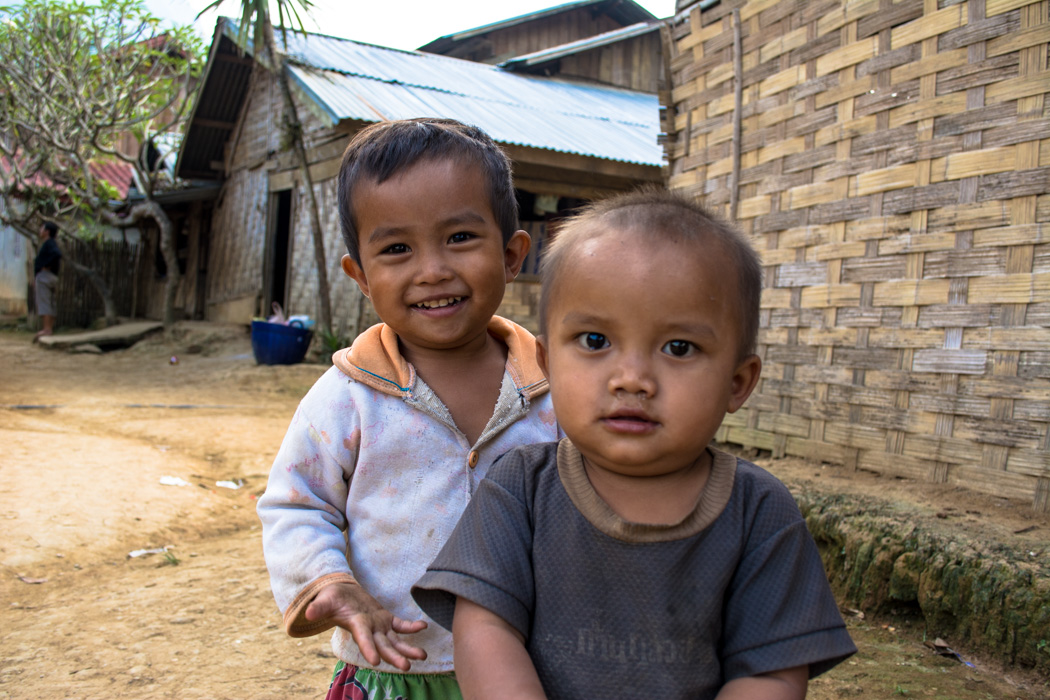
{"x": 652, "y": 212}
{"x": 385, "y": 149}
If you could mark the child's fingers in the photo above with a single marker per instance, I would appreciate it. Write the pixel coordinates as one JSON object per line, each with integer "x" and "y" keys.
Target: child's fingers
{"x": 317, "y": 609}
{"x": 410, "y": 651}
{"x": 362, "y": 634}
{"x": 387, "y": 648}
{"x": 408, "y": 627}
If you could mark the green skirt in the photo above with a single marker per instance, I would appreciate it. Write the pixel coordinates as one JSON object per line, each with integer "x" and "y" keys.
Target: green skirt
{"x": 354, "y": 683}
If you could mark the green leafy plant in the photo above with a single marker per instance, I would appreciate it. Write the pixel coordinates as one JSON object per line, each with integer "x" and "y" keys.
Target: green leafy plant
{"x": 170, "y": 559}
{"x": 330, "y": 342}
{"x": 899, "y": 690}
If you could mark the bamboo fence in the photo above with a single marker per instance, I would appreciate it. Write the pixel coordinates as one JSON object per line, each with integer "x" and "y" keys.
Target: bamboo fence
{"x": 78, "y": 303}
{"x": 891, "y": 163}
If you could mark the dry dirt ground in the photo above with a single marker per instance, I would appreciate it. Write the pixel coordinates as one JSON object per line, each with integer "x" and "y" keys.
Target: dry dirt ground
{"x": 85, "y": 441}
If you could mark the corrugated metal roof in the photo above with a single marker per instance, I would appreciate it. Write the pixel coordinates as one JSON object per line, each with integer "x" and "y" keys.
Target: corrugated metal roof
{"x": 574, "y": 47}
{"x": 355, "y": 81}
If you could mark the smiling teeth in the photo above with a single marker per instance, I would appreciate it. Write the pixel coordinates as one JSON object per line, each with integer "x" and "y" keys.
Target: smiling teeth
{"x": 438, "y": 303}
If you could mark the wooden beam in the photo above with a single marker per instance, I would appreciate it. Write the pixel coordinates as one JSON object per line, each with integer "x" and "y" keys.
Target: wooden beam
{"x": 591, "y": 179}
{"x": 282, "y": 178}
{"x": 233, "y": 58}
{"x": 200, "y": 174}
{"x": 738, "y": 108}
{"x": 329, "y": 150}
{"x": 563, "y": 189}
{"x": 214, "y": 124}
{"x": 587, "y": 164}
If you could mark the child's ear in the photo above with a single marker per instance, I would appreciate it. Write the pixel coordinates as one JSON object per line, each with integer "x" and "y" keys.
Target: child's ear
{"x": 515, "y": 253}
{"x": 355, "y": 272}
{"x": 541, "y": 354}
{"x": 745, "y": 378}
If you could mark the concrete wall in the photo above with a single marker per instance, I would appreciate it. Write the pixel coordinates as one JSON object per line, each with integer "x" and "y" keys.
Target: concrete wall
{"x": 15, "y": 257}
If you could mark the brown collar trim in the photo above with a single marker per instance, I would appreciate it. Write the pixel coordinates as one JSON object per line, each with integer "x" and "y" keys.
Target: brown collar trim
{"x": 374, "y": 359}
{"x": 713, "y": 500}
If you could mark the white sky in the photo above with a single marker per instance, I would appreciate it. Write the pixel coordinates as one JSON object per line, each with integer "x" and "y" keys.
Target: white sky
{"x": 400, "y": 24}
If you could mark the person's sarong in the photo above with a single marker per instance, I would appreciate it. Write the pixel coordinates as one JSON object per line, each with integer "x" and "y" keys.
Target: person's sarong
{"x": 46, "y": 281}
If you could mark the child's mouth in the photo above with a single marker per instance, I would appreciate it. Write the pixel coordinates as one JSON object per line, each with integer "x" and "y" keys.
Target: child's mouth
{"x": 630, "y": 422}
{"x": 438, "y": 303}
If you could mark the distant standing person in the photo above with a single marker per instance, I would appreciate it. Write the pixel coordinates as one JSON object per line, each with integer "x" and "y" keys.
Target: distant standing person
{"x": 45, "y": 266}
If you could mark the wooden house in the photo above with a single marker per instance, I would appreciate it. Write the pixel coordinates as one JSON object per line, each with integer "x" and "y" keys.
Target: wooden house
{"x": 616, "y": 42}
{"x": 538, "y": 31}
{"x": 891, "y": 163}
{"x": 569, "y": 141}
{"x": 631, "y": 57}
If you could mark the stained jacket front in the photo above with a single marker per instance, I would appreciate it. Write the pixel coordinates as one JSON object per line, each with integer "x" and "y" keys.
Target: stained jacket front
{"x": 372, "y": 451}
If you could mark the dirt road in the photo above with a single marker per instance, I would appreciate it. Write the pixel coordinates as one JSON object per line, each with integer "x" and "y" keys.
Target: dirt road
{"x": 87, "y": 443}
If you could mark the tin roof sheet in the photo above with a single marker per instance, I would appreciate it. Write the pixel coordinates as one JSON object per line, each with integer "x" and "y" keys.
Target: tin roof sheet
{"x": 351, "y": 80}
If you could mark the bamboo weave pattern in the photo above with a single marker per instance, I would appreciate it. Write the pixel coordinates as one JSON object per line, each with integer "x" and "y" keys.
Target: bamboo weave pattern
{"x": 894, "y": 173}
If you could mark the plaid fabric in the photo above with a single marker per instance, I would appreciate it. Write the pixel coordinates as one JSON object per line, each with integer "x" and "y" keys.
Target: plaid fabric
{"x": 354, "y": 683}
{"x": 46, "y": 281}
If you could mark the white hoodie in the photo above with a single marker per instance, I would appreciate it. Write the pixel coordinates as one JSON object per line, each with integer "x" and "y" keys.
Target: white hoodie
{"x": 374, "y": 453}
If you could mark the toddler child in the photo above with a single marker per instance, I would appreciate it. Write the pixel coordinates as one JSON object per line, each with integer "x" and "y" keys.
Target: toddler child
{"x": 389, "y": 445}
{"x": 632, "y": 559}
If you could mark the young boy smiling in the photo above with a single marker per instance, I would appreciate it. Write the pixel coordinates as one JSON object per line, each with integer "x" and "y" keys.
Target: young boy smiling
{"x": 632, "y": 559}
{"x": 388, "y": 447}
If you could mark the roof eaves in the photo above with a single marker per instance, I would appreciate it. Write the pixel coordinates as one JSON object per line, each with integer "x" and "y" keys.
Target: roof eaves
{"x": 581, "y": 45}
{"x": 220, "y": 30}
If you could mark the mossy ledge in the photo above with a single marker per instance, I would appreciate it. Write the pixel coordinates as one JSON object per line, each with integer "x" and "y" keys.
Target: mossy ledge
{"x": 974, "y": 592}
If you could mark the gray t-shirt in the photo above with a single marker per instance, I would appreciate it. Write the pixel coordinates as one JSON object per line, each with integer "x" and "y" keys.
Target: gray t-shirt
{"x": 610, "y": 608}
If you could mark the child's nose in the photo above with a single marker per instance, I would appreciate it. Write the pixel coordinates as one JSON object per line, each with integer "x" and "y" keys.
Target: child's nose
{"x": 634, "y": 375}
{"x": 433, "y": 268}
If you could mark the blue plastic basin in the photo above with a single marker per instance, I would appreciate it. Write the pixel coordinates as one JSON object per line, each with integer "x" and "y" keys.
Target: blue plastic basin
{"x": 278, "y": 344}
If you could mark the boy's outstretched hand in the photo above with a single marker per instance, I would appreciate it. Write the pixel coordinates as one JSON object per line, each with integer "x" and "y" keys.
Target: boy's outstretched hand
{"x": 374, "y": 628}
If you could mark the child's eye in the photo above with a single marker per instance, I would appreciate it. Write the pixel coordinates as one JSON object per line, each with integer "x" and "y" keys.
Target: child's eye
{"x": 679, "y": 348}
{"x": 395, "y": 249}
{"x": 592, "y": 341}
{"x": 460, "y": 237}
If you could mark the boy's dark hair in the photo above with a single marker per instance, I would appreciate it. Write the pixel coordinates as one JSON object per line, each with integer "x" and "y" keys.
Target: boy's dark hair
{"x": 383, "y": 150}
{"x": 654, "y": 211}
{"x": 52, "y": 228}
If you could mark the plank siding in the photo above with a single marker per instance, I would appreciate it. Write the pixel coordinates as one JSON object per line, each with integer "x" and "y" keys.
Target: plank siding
{"x": 543, "y": 33}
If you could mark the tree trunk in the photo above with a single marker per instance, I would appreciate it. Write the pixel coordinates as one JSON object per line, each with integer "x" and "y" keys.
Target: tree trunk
{"x": 151, "y": 210}
{"x": 279, "y": 67}
{"x": 31, "y": 315}
{"x": 171, "y": 261}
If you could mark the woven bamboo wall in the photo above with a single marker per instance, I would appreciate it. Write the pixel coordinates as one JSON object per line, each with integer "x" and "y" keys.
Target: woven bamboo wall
{"x": 893, "y": 171}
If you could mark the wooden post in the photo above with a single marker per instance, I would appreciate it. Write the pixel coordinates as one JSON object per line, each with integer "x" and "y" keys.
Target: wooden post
{"x": 738, "y": 105}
